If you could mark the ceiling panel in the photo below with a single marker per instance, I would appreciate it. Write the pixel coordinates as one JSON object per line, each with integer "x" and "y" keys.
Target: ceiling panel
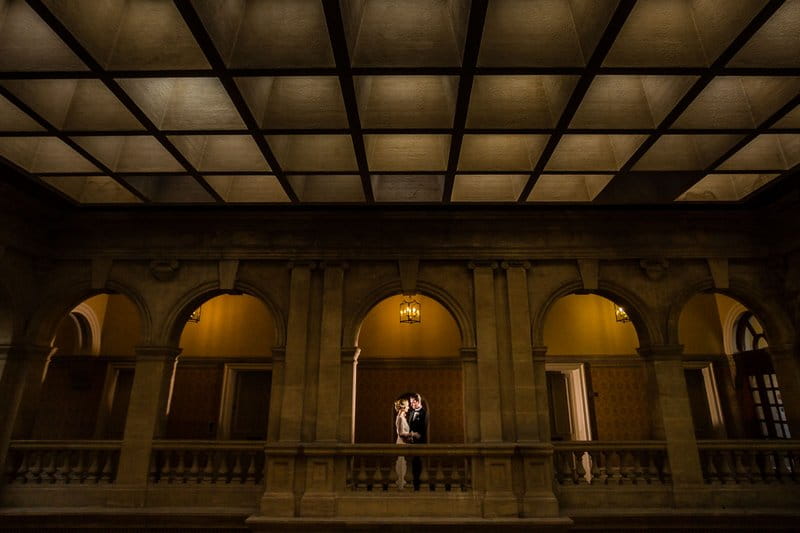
{"x": 725, "y": 187}
{"x": 420, "y": 101}
{"x": 568, "y": 187}
{"x": 92, "y": 189}
{"x": 248, "y": 189}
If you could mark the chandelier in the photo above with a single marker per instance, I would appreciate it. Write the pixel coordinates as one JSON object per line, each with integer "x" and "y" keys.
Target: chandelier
{"x": 410, "y": 310}
{"x": 620, "y": 314}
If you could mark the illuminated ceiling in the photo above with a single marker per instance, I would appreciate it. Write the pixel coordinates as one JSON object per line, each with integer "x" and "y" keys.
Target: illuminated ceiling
{"x": 412, "y": 101}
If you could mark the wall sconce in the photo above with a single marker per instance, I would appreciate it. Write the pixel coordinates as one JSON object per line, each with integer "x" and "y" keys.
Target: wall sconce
{"x": 620, "y": 314}
{"x": 410, "y": 311}
{"x": 195, "y": 316}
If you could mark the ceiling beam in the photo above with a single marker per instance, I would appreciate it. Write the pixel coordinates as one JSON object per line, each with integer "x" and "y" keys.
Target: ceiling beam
{"x": 605, "y": 43}
{"x": 333, "y": 19}
{"x": 195, "y": 25}
{"x": 472, "y": 45}
{"x": 52, "y": 131}
{"x": 77, "y": 48}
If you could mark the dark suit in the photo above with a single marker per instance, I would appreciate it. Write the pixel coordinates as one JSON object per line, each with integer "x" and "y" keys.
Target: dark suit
{"x": 418, "y": 423}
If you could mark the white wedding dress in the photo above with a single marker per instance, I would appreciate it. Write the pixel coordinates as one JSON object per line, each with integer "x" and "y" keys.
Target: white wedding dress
{"x": 401, "y": 425}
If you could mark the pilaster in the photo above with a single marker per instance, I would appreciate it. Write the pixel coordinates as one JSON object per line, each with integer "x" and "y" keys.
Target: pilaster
{"x": 347, "y": 394}
{"x": 665, "y": 365}
{"x": 145, "y": 421}
{"x": 488, "y": 371}
{"x": 525, "y": 416}
{"x": 291, "y": 414}
{"x": 23, "y": 367}
{"x": 330, "y": 352}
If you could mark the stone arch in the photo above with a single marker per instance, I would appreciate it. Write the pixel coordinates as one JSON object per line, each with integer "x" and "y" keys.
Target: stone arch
{"x": 44, "y": 324}
{"x": 777, "y": 327}
{"x": 646, "y": 327}
{"x": 392, "y": 288}
{"x": 176, "y": 318}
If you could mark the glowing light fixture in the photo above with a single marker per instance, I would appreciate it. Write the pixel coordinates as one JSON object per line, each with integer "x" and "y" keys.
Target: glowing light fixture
{"x": 195, "y": 316}
{"x": 410, "y": 311}
{"x": 620, "y": 314}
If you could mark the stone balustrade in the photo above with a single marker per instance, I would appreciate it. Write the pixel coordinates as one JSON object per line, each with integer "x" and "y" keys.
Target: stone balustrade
{"x": 444, "y": 468}
{"x": 742, "y": 462}
{"x": 611, "y": 463}
{"x": 206, "y": 462}
{"x": 33, "y": 462}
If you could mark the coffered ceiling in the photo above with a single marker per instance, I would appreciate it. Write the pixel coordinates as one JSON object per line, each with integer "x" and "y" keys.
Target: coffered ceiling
{"x": 414, "y": 101}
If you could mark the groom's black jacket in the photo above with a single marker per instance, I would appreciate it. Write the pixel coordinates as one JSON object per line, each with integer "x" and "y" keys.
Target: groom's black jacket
{"x": 418, "y": 423}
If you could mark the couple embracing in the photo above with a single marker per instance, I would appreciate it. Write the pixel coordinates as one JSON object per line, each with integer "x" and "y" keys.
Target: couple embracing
{"x": 411, "y": 425}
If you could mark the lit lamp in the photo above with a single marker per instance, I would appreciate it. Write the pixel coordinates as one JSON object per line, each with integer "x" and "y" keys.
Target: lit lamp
{"x": 195, "y": 316}
{"x": 620, "y": 314}
{"x": 410, "y": 311}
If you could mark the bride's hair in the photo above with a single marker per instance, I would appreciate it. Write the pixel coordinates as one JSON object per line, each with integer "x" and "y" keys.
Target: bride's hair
{"x": 400, "y": 404}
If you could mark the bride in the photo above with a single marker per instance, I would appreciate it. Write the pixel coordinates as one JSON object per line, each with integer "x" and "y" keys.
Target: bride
{"x": 404, "y": 436}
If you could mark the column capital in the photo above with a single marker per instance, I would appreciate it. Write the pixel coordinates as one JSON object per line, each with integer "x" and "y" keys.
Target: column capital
{"x": 344, "y": 265}
{"x": 350, "y": 354}
{"x": 302, "y": 263}
{"x": 506, "y": 265}
{"x": 144, "y": 353}
{"x": 538, "y": 353}
{"x": 474, "y": 265}
{"x": 469, "y": 354}
{"x": 661, "y": 351}
{"x": 279, "y": 354}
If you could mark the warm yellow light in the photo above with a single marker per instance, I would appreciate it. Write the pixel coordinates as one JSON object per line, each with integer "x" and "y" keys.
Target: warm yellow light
{"x": 620, "y": 314}
{"x": 410, "y": 311}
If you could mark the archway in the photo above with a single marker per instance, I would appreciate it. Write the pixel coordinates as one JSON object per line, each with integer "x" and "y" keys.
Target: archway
{"x": 738, "y": 392}
{"x": 223, "y": 377}
{"x": 87, "y": 383}
{"x": 597, "y": 385}
{"x": 396, "y": 358}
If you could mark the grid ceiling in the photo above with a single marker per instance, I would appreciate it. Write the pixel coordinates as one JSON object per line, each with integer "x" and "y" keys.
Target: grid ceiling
{"x": 419, "y": 101}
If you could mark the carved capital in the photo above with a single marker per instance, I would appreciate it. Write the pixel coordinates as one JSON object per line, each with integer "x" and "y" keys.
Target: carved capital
{"x": 654, "y": 269}
{"x": 279, "y": 354}
{"x": 505, "y": 265}
{"x": 153, "y": 353}
{"x": 474, "y": 265}
{"x": 468, "y": 355}
{"x": 350, "y": 355}
{"x": 164, "y": 270}
{"x": 538, "y": 353}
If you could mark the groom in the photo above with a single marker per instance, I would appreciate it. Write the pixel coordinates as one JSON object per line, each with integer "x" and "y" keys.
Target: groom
{"x": 418, "y": 425}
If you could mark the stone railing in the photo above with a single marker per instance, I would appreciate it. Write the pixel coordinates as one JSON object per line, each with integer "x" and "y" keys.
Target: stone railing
{"x": 62, "y": 462}
{"x": 739, "y": 462}
{"x": 611, "y": 463}
{"x": 444, "y": 468}
{"x": 205, "y": 462}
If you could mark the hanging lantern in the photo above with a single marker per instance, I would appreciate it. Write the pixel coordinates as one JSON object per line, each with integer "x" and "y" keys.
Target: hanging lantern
{"x": 195, "y": 316}
{"x": 620, "y": 314}
{"x": 410, "y": 311}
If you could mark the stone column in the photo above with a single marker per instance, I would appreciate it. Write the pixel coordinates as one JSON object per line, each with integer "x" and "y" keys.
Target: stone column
{"x": 20, "y": 389}
{"x": 276, "y": 394}
{"x": 540, "y": 388}
{"x": 347, "y": 399}
{"x": 330, "y": 353}
{"x": 665, "y": 365}
{"x": 787, "y": 370}
{"x": 472, "y": 403}
{"x": 291, "y": 413}
{"x": 488, "y": 373}
{"x": 519, "y": 315}
{"x": 145, "y": 421}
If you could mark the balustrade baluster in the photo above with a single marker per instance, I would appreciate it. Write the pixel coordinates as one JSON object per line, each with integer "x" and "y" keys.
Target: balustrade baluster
{"x": 62, "y": 462}
{"x": 237, "y": 467}
{"x": 223, "y": 473}
{"x": 424, "y": 475}
{"x": 153, "y": 472}
{"x": 456, "y": 482}
{"x": 666, "y": 468}
{"x": 711, "y": 474}
{"x": 615, "y": 467}
{"x": 739, "y": 468}
{"x": 194, "y": 470}
{"x": 756, "y": 475}
{"x": 626, "y": 468}
{"x": 49, "y": 468}
{"x": 768, "y": 466}
{"x": 580, "y": 468}
{"x": 24, "y": 469}
{"x": 594, "y": 468}
{"x": 438, "y": 476}
{"x": 93, "y": 470}
{"x": 782, "y": 466}
{"x": 250, "y": 475}
{"x": 361, "y": 476}
{"x": 106, "y": 473}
